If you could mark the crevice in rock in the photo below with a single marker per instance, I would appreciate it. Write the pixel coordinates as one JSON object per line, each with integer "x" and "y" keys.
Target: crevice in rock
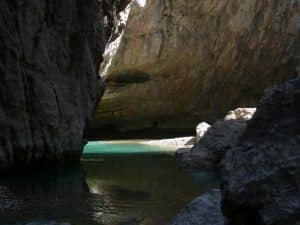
{"x": 128, "y": 77}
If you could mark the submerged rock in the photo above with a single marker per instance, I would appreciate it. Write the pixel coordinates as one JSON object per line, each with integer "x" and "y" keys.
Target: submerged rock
{"x": 49, "y": 88}
{"x": 261, "y": 177}
{"x": 179, "y": 62}
{"x": 219, "y": 138}
{"x": 204, "y": 210}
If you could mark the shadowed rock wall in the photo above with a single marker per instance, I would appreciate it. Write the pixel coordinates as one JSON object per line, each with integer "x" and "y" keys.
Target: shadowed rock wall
{"x": 49, "y": 56}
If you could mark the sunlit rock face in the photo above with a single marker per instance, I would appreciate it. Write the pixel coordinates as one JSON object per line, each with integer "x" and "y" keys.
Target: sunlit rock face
{"x": 181, "y": 62}
{"x": 50, "y": 54}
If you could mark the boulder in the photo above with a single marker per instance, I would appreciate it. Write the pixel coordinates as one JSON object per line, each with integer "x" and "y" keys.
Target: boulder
{"x": 219, "y": 138}
{"x": 261, "y": 175}
{"x": 204, "y": 210}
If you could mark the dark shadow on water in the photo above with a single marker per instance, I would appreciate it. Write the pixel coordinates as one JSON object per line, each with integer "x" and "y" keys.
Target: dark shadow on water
{"x": 150, "y": 188}
{"x": 144, "y": 189}
{"x": 48, "y": 197}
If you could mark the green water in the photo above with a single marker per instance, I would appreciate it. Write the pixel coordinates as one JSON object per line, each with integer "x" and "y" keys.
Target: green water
{"x": 116, "y": 184}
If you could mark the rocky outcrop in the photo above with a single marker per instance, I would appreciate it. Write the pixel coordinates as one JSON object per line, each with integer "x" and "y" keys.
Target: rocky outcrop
{"x": 222, "y": 136}
{"x": 50, "y": 52}
{"x": 204, "y": 210}
{"x": 261, "y": 178}
{"x": 179, "y": 62}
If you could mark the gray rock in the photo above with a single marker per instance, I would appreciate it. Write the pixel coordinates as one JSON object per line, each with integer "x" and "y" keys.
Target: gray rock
{"x": 50, "y": 54}
{"x": 261, "y": 177}
{"x": 219, "y": 138}
{"x": 204, "y": 210}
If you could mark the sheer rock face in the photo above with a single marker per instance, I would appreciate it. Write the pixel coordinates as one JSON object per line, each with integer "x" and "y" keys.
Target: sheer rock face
{"x": 261, "y": 180}
{"x": 50, "y": 52}
{"x": 180, "y": 62}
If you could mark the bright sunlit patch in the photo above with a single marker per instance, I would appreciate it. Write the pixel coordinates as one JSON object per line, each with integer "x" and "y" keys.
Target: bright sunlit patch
{"x": 112, "y": 48}
{"x": 141, "y": 3}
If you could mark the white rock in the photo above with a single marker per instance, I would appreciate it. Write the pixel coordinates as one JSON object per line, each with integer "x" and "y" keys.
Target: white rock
{"x": 201, "y": 129}
{"x": 240, "y": 114}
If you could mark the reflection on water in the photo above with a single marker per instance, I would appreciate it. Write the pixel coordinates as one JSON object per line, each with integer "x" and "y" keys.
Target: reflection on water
{"x": 49, "y": 198}
{"x": 144, "y": 189}
{"x": 147, "y": 189}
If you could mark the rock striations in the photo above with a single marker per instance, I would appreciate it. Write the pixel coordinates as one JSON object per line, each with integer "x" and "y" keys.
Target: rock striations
{"x": 179, "y": 62}
{"x": 49, "y": 58}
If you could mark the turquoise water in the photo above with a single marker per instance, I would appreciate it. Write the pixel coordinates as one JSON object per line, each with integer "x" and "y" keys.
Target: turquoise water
{"x": 125, "y": 147}
{"x": 116, "y": 184}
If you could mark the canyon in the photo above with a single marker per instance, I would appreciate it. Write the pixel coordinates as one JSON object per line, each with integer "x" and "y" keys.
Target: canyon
{"x": 166, "y": 66}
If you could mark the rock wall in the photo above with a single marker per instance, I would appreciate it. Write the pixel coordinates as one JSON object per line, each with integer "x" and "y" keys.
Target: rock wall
{"x": 261, "y": 177}
{"x": 180, "y": 62}
{"x": 49, "y": 59}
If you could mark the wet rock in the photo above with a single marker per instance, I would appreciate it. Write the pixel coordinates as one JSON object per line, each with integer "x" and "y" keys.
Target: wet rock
{"x": 49, "y": 88}
{"x": 204, "y": 210}
{"x": 219, "y": 138}
{"x": 261, "y": 177}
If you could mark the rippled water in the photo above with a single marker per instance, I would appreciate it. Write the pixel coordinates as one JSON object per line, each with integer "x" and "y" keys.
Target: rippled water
{"x": 143, "y": 187}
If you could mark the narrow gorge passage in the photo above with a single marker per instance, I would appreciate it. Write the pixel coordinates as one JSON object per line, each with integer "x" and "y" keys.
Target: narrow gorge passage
{"x": 150, "y": 112}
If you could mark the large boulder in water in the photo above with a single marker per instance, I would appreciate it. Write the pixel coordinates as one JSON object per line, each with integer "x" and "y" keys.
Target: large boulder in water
{"x": 49, "y": 87}
{"x": 261, "y": 177}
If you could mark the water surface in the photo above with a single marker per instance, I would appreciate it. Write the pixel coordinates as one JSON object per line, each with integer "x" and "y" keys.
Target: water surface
{"x": 117, "y": 184}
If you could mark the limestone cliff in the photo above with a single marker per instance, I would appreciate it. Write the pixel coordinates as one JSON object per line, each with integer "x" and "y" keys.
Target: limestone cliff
{"x": 50, "y": 52}
{"x": 180, "y": 62}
